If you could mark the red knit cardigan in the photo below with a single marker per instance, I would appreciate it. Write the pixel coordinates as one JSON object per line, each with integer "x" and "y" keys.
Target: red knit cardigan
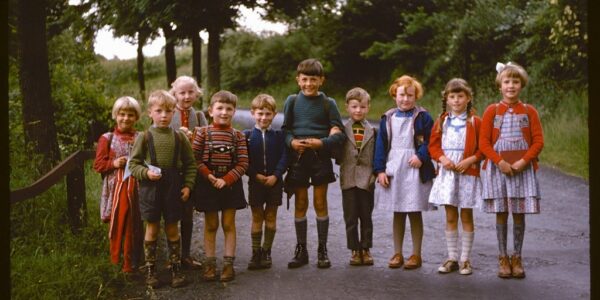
{"x": 435, "y": 142}
{"x": 489, "y": 134}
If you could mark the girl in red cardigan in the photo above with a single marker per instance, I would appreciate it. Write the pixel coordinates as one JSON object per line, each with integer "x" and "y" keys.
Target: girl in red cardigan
{"x": 511, "y": 138}
{"x": 453, "y": 144}
{"x": 119, "y": 204}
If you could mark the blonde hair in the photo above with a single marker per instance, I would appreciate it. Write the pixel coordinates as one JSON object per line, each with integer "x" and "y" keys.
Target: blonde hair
{"x": 126, "y": 103}
{"x": 357, "y": 94}
{"x": 161, "y": 98}
{"x": 512, "y": 70}
{"x": 224, "y": 96}
{"x": 264, "y": 101}
{"x": 406, "y": 81}
{"x": 183, "y": 80}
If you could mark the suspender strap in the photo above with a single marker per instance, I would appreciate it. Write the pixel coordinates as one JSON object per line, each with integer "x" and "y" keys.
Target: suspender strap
{"x": 176, "y": 155}
{"x": 150, "y": 141}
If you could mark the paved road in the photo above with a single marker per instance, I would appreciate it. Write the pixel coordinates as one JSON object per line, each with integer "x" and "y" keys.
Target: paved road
{"x": 555, "y": 256}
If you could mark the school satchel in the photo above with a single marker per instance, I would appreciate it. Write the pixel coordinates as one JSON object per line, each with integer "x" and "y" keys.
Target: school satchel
{"x": 512, "y": 156}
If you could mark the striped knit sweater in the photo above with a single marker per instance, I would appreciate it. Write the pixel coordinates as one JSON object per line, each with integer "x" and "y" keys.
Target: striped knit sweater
{"x": 222, "y": 138}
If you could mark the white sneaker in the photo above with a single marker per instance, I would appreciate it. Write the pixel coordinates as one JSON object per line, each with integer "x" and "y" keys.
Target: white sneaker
{"x": 465, "y": 268}
{"x": 448, "y": 266}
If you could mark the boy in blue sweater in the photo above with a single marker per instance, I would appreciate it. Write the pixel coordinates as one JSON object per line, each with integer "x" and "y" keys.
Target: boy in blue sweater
{"x": 268, "y": 162}
{"x": 312, "y": 125}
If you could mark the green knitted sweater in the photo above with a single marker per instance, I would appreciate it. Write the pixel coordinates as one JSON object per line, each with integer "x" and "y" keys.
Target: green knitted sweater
{"x": 164, "y": 145}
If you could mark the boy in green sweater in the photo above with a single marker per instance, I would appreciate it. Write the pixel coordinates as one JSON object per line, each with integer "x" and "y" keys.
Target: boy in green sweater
{"x": 312, "y": 124}
{"x": 163, "y": 162}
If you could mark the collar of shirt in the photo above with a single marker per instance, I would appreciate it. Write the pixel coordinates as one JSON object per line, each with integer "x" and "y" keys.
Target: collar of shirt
{"x": 263, "y": 130}
{"x": 408, "y": 113}
{"x": 462, "y": 116}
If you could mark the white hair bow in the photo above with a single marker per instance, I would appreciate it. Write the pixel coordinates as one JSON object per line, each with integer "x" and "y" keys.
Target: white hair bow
{"x": 500, "y": 66}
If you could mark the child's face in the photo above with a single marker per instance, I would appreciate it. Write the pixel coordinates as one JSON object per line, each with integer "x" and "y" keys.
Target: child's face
{"x": 510, "y": 88}
{"x": 309, "y": 85}
{"x": 357, "y": 110}
{"x": 222, "y": 113}
{"x": 263, "y": 117}
{"x": 405, "y": 98}
{"x": 126, "y": 119}
{"x": 161, "y": 115}
{"x": 457, "y": 102}
{"x": 186, "y": 95}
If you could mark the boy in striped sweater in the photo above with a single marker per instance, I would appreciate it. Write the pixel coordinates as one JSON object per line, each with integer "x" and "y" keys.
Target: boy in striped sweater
{"x": 222, "y": 159}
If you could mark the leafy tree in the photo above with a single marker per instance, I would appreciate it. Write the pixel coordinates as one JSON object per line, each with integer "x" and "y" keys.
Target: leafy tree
{"x": 128, "y": 19}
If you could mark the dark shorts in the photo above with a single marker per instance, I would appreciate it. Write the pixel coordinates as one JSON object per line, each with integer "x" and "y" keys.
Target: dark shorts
{"x": 207, "y": 198}
{"x": 162, "y": 198}
{"x": 312, "y": 168}
{"x": 258, "y": 194}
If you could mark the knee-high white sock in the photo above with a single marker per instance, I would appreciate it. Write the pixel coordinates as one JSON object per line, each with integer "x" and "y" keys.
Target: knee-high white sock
{"x": 467, "y": 245}
{"x": 452, "y": 244}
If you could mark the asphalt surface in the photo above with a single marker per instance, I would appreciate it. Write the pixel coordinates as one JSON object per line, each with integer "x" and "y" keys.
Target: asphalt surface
{"x": 555, "y": 256}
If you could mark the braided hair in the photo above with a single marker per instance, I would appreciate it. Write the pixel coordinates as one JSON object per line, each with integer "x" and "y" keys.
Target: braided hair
{"x": 455, "y": 85}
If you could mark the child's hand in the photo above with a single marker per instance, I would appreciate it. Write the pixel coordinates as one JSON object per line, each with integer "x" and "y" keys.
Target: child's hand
{"x": 383, "y": 180}
{"x": 270, "y": 181}
{"x": 518, "y": 166}
{"x": 187, "y": 132}
{"x": 447, "y": 163}
{"x": 334, "y": 130}
{"x": 505, "y": 168}
{"x": 314, "y": 144}
{"x": 153, "y": 176}
{"x": 260, "y": 178}
{"x": 299, "y": 145}
{"x": 415, "y": 162}
{"x": 464, "y": 164}
{"x": 185, "y": 193}
{"x": 219, "y": 183}
{"x": 120, "y": 162}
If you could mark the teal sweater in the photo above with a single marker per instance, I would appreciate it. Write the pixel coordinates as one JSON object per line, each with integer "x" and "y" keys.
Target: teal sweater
{"x": 309, "y": 119}
{"x": 164, "y": 144}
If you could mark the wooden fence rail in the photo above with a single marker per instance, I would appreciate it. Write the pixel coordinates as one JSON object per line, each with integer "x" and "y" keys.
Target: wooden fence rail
{"x": 72, "y": 168}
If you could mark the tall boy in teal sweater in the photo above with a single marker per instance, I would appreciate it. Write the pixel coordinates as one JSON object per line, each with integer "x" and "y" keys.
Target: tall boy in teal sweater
{"x": 313, "y": 125}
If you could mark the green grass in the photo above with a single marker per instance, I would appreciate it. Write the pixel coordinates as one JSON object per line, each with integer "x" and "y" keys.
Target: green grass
{"x": 50, "y": 262}
{"x": 566, "y": 139}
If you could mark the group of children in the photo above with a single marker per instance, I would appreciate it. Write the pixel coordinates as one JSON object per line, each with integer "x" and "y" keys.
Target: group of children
{"x": 408, "y": 164}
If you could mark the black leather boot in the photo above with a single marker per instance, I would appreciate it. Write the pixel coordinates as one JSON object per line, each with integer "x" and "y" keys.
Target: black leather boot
{"x": 300, "y": 257}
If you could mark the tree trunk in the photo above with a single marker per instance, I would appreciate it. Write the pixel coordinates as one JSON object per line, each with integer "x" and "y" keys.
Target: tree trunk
{"x": 38, "y": 109}
{"x": 197, "y": 61}
{"x": 170, "y": 63}
{"x": 140, "y": 66}
{"x": 214, "y": 63}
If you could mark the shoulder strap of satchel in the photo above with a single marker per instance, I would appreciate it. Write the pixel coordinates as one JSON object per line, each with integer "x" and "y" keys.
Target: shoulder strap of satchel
{"x": 150, "y": 144}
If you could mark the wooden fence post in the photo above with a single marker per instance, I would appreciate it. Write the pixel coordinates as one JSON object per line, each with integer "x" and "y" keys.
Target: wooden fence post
{"x": 76, "y": 198}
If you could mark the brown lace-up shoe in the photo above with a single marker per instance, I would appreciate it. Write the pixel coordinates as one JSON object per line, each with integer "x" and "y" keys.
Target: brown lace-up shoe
{"x": 396, "y": 261}
{"x": 517, "y": 267}
{"x": 228, "y": 273}
{"x": 355, "y": 259}
{"x": 413, "y": 262}
{"x": 210, "y": 270}
{"x": 504, "y": 269}
{"x": 367, "y": 258}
